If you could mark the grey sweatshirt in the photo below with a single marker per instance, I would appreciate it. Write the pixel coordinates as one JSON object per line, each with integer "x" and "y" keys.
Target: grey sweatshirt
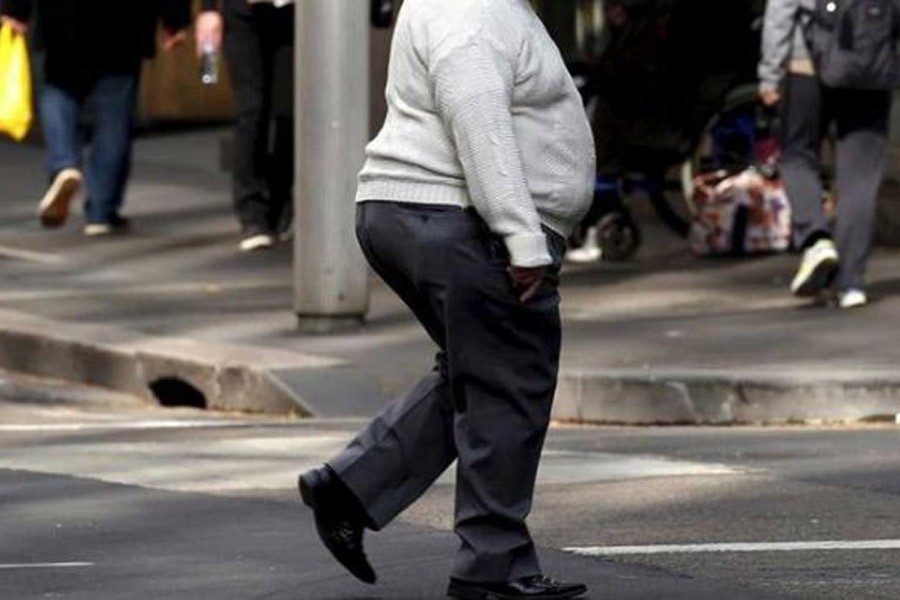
{"x": 783, "y": 40}
{"x": 482, "y": 113}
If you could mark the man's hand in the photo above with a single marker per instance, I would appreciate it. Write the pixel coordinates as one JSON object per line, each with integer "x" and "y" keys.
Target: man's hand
{"x": 208, "y": 30}
{"x": 172, "y": 39}
{"x": 527, "y": 280}
{"x": 769, "y": 97}
{"x": 15, "y": 24}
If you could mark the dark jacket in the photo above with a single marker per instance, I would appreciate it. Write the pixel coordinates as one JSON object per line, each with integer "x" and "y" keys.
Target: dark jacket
{"x": 101, "y": 32}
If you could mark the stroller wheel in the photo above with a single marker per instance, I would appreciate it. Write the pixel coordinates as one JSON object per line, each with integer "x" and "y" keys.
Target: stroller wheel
{"x": 618, "y": 236}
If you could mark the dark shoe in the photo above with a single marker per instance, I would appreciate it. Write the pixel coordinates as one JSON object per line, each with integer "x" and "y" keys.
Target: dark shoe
{"x": 537, "y": 587}
{"x": 115, "y": 225}
{"x": 339, "y": 524}
{"x": 54, "y": 207}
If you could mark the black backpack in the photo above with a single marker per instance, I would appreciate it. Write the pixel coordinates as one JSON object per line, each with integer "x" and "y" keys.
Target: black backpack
{"x": 854, "y": 43}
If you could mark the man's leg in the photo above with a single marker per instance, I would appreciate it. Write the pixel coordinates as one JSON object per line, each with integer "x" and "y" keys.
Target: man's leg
{"x": 114, "y": 97}
{"x": 60, "y": 108}
{"x": 249, "y": 75}
{"x": 800, "y": 164}
{"x": 59, "y": 118}
{"x": 410, "y": 443}
{"x": 503, "y": 360}
{"x": 862, "y": 119}
{"x": 280, "y": 171}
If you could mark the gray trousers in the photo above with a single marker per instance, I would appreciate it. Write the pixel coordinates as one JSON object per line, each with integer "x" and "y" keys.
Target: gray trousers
{"x": 861, "y": 119}
{"x": 487, "y": 402}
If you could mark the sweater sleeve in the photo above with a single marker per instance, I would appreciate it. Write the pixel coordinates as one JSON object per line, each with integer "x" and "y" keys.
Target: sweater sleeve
{"x": 473, "y": 74}
{"x": 19, "y": 10}
{"x": 207, "y": 5}
{"x": 780, "y": 19}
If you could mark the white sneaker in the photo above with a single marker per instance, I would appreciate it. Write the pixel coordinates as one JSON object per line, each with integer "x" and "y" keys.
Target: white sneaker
{"x": 819, "y": 263}
{"x": 54, "y": 207}
{"x": 853, "y": 298}
{"x": 589, "y": 251}
{"x": 257, "y": 241}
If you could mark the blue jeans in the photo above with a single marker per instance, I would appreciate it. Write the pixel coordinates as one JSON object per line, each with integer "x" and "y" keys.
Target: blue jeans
{"x": 109, "y": 162}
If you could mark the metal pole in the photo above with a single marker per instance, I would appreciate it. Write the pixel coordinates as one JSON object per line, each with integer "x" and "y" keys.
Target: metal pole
{"x": 332, "y": 127}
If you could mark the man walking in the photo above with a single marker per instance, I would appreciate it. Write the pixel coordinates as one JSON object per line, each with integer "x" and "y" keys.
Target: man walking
{"x": 259, "y": 43}
{"x": 484, "y": 165}
{"x": 93, "y": 52}
{"x": 808, "y": 107}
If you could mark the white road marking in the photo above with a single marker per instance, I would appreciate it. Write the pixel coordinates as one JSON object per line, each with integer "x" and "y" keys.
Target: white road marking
{"x": 44, "y": 258}
{"x": 60, "y": 565}
{"x": 124, "y": 426}
{"x": 736, "y": 547}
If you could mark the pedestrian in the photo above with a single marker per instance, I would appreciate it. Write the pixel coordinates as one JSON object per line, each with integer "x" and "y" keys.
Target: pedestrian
{"x": 834, "y": 257}
{"x": 93, "y": 55}
{"x": 482, "y": 168}
{"x": 259, "y": 46}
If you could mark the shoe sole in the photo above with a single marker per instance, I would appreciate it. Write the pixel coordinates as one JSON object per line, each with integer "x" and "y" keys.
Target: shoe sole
{"x": 474, "y": 593}
{"x": 53, "y": 211}
{"x": 819, "y": 278}
{"x": 259, "y": 242}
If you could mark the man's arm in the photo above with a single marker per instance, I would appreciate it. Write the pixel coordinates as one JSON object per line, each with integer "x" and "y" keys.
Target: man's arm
{"x": 778, "y": 31}
{"x": 16, "y": 13}
{"x": 473, "y": 77}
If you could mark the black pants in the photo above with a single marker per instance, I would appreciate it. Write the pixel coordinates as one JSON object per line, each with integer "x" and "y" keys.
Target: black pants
{"x": 487, "y": 402}
{"x": 861, "y": 119}
{"x": 259, "y": 43}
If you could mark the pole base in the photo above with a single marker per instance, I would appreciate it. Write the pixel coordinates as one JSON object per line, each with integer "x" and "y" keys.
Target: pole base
{"x": 321, "y": 324}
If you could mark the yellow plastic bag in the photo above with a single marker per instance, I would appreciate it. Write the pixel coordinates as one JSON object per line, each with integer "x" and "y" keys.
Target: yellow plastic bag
{"x": 15, "y": 84}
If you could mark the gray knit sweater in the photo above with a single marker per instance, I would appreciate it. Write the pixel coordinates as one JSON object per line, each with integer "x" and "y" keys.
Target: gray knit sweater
{"x": 782, "y": 40}
{"x": 483, "y": 113}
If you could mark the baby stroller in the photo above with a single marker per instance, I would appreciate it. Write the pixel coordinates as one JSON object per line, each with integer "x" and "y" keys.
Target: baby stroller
{"x": 660, "y": 79}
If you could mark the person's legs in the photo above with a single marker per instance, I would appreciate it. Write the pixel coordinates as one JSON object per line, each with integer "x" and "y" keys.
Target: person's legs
{"x": 800, "y": 164}
{"x": 410, "y": 443}
{"x": 281, "y": 161}
{"x": 862, "y": 122}
{"x": 503, "y": 360}
{"x": 805, "y": 113}
{"x": 60, "y": 110}
{"x": 109, "y": 166}
{"x": 249, "y": 74}
{"x": 60, "y": 107}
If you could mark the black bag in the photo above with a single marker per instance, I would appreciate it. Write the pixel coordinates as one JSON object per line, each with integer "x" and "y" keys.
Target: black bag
{"x": 854, "y": 43}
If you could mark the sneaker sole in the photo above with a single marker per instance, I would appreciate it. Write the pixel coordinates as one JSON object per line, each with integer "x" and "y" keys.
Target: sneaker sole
{"x": 256, "y": 243}
{"x": 53, "y": 211}
{"x": 474, "y": 593}
{"x": 819, "y": 278}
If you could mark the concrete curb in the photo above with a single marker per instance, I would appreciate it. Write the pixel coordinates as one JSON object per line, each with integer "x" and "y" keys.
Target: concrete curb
{"x": 125, "y": 362}
{"x": 639, "y": 397}
{"x": 242, "y": 378}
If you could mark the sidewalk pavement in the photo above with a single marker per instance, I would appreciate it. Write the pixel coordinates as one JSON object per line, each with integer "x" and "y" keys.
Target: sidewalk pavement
{"x": 174, "y": 312}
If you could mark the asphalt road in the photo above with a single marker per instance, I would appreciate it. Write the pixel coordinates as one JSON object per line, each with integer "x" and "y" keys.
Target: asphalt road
{"x": 103, "y": 497}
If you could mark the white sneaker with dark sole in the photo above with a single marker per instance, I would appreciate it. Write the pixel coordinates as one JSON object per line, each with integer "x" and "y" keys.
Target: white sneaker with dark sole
{"x": 818, "y": 266}
{"x": 853, "y": 298}
{"x": 54, "y": 207}
{"x": 257, "y": 241}
{"x": 589, "y": 251}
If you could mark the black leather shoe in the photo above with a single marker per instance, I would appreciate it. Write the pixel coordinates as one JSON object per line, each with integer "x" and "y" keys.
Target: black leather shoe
{"x": 537, "y": 587}
{"x": 339, "y": 524}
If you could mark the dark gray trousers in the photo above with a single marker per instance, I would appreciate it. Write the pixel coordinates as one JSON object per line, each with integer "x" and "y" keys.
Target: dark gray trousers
{"x": 487, "y": 402}
{"x": 861, "y": 119}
